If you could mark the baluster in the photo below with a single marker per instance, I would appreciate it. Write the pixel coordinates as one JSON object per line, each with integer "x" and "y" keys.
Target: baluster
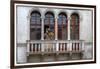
{"x": 72, "y": 46}
{"x": 45, "y": 47}
{"x": 65, "y": 46}
{"x": 35, "y": 47}
{"x": 75, "y": 47}
{"x": 42, "y": 47}
{"x": 39, "y": 47}
{"x": 59, "y": 46}
{"x": 62, "y": 46}
{"x": 48, "y": 47}
{"x": 28, "y": 47}
{"x": 31, "y": 47}
{"x": 78, "y": 47}
{"x": 81, "y": 46}
{"x": 53, "y": 47}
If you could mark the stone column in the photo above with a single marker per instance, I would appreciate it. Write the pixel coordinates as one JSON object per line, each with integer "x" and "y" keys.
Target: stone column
{"x": 56, "y": 29}
{"x": 42, "y": 28}
{"x": 42, "y": 32}
{"x": 68, "y": 26}
{"x": 56, "y": 33}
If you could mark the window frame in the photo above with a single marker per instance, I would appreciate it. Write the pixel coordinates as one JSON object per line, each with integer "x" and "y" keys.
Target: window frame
{"x": 13, "y": 37}
{"x": 37, "y": 17}
{"x": 63, "y": 17}
{"x": 73, "y": 26}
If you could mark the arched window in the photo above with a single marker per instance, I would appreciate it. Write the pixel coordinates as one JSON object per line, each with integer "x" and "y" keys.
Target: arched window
{"x": 62, "y": 26}
{"x": 35, "y": 26}
{"x": 74, "y": 27}
{"x": 49, "y": 26}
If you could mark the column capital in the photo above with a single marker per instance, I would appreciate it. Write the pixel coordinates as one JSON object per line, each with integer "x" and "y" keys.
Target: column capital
{"x": 56, "y": 17}
{"x": 42, "y": 17}
{"x": 69, "y": 18}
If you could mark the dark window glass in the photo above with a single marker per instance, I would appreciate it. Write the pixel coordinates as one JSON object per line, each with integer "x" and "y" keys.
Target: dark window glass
{"x": 49, "y": 33}
{"x": 74, "y": 27}
{"x": 62, "y": 27}
{"x": 35, "y": 26}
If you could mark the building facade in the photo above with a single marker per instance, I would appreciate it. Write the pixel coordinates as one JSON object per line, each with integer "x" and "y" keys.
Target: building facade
{"x": 45, "y": 34}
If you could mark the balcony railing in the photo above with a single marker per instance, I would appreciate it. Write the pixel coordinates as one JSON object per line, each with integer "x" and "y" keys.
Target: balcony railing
{"x": 54, "y": 46}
